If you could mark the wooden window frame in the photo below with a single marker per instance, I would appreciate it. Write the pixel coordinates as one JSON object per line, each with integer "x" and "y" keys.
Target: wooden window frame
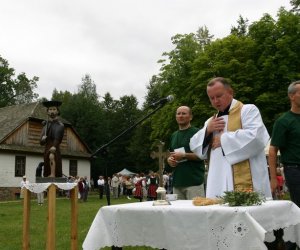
{"x": 73, "y": 168}
{"x": 20, "y": 165}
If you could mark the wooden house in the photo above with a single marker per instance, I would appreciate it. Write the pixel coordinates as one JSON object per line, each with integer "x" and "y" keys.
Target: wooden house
{"x": 21, "y": 152}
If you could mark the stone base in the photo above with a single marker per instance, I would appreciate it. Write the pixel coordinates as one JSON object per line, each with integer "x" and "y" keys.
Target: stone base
{"x": 50, "y": 179}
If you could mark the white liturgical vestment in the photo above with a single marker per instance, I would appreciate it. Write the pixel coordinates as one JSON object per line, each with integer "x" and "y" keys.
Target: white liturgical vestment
{"x": 236, "y": 146}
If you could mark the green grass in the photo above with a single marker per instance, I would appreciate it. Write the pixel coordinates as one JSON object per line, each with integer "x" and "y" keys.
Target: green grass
{"x": 11, "y": 218}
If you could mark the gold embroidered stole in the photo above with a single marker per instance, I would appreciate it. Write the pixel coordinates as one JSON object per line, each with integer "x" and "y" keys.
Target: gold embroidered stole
{"x": 242, "y": 178}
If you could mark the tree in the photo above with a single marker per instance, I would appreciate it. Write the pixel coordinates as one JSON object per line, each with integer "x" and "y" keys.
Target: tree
{"x": 15, "y": 90}
{"x": 296, "y": 5}
{"x": 174, "y": 78}
{"x": 203, "y": 37}
{"x": 88, "y": 88}
{"x": 63, "y": 96}
{"x": 277, "y": 50}
{"x": 125, "y": 114}
{"x": 83, "y": 111}
{"x": 141, "y": 144}
{"x": 241, "y": 28}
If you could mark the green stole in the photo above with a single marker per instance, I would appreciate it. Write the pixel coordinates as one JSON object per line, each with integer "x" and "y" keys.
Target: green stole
{"x": 242, "y": 178}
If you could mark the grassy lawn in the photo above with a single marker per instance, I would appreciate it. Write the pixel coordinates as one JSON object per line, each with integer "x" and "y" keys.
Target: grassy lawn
{"x": 11, "y": 217}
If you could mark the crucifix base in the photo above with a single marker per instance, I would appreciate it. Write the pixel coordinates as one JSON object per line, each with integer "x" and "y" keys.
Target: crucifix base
{"x": 161, "y": 203}
{"x": 161, "y": 194}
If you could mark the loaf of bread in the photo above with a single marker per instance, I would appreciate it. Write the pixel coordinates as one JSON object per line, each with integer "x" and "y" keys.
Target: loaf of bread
{"x": 202, "y": 201}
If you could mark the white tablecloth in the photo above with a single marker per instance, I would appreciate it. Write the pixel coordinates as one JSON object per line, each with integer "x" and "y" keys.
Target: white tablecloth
{"x": 185, "y": 226}
{"x": 41, "y": 187}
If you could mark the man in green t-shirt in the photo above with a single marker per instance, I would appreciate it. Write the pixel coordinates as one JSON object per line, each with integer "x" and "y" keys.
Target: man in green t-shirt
{"x": 188, "y": 175}
{"x": 286, "y": 138}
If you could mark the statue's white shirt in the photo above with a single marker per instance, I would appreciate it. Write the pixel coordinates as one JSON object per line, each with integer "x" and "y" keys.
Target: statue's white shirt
{"x": 236, "y": 146}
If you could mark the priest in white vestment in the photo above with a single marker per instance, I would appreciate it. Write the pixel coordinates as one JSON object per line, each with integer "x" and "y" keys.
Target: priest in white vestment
{"x": 227, "y": 148}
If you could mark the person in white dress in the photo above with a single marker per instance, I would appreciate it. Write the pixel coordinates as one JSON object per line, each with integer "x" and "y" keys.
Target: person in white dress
{"x": 227, "y": 148}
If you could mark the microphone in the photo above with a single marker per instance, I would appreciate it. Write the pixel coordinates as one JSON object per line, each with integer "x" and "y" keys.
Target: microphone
{"x": 162, "y": 101}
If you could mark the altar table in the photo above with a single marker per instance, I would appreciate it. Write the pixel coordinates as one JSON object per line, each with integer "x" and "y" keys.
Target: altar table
{"x": 182, "y": 225}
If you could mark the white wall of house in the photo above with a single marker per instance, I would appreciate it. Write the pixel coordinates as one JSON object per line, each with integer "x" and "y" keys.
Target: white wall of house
{"x": 83, "y": 167}
{"x": 7, "y": 171}
{"x": 7, "y": 168}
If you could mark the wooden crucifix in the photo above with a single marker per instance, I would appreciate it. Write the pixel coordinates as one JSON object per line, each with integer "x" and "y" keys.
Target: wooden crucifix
{"x": 161, "y": 160}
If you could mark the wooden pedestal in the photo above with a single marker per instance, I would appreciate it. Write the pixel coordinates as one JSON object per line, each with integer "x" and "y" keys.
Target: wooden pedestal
{"x": 50, "y": 245}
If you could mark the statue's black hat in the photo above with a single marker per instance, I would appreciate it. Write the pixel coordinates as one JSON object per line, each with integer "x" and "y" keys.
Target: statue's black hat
{"x": 52, "y": 103}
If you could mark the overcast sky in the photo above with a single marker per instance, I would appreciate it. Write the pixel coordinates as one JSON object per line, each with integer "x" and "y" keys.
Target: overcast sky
{"x": 116, "y": 42}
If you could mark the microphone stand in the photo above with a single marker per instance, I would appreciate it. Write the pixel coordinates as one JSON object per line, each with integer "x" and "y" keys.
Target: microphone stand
{"x": 103, "y": 149}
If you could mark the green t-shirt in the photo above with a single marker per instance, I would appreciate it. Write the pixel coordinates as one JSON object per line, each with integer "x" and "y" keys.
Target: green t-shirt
{"x": 186, "y": 173}
{"x": 286, "y": 136}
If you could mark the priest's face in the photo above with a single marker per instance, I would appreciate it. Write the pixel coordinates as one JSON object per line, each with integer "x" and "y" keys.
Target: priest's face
{"x": 220, "y": 96}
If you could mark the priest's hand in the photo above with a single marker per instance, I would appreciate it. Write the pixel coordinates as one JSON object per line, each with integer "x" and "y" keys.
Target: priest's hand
{"x": 216, "y": 124}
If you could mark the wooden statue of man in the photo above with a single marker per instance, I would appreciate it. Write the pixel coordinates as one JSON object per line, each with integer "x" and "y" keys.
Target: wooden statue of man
{"x": 52, "y": 135}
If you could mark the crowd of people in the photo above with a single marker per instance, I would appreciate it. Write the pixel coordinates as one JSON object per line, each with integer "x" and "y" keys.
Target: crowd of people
{"x": 139, "y": 186}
